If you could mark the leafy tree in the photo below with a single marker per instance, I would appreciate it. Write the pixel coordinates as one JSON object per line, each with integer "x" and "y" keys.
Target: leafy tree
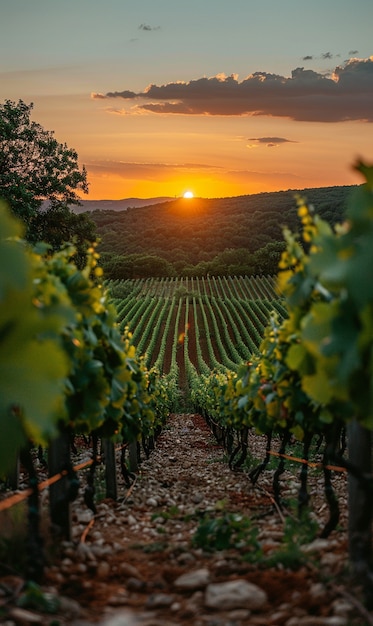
{"x": 59, "y": 225}
{"x": 40, "y": 177}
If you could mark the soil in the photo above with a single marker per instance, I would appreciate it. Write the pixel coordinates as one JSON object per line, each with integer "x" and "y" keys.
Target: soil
{"x": 123, "y": 564}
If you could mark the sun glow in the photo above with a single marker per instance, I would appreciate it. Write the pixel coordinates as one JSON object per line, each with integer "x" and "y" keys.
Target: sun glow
{"x": 188, "y": 194}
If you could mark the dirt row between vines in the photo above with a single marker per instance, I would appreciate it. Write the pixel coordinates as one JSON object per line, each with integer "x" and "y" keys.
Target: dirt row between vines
{"x": 137, "y": 562}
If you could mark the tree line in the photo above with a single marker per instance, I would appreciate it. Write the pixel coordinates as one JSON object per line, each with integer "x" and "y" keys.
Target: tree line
{"x": 201, "y": 237}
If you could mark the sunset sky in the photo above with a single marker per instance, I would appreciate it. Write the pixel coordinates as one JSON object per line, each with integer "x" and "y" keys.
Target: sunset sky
{"x": 222, "y": 97}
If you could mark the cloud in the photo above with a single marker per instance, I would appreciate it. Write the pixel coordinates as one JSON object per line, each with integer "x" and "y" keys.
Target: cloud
{"x": 308, "y": 57}
{"x": 307, "y": 95}
{"x": 327, "y": 55}
{"x": 270, "y": 142}
{"x": 146, "y": 27}
{"x": 148, "y": 171}
{"x": 353, "y": 52}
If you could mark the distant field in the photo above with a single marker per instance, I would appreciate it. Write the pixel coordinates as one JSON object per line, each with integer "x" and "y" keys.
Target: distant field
{"x": 215, "y": 322}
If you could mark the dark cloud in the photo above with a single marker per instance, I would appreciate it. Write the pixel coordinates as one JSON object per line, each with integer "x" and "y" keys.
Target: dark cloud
{"x": 146, "y": 27}
{"x": 306, "y": 95}
{"x": 271, "y": 142}
{"x": 353, "y": 52}
{"x": 326, "y": 55}
{"x": 127, "y": 95}
{"x": 308, "y": 57}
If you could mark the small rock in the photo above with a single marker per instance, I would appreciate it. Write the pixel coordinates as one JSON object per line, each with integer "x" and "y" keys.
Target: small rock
{"x": 123, "y": 618}
{"x": 239, "y": 614}
{"x": 235, "y": 594}
{"x": 119, "y": 599}
{"x": 84, "y": 517}
{"x": 152, "y": 502}
{"x": 185, "y": 557}
{"x": 129, "y": 570}
{"x": 158, "y": 600}
{"x": 134, "y": 584}
{"x": 103, "y": 570}
{"x": 22, "y": 616}
{"x": 84, "y": 552}
{"x": 330, "y": 559}
{"x": 318, "y": 545}
{"x": 317, "y": 591}
{"x": 131, "y": 520}
{"x": 69, "y": 607}
{"x": 342, "y": 608}
{"x": 316, "y": 621}
{"x": 197, "y": 497}
{"x": 197, "y": 579}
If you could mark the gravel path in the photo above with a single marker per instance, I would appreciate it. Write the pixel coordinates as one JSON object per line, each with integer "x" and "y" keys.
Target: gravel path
{"x": 137, "y": 562}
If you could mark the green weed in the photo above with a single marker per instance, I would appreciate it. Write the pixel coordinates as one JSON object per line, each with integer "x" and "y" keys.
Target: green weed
{"x": 228, "y": 530}
{"x": 297, "y": 532}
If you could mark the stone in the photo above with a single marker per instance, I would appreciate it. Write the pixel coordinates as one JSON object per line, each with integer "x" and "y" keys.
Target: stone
{"x": 103, "y": 570}
{"x": 235, "y": 594}
{"x": 69, "y": 608}
{"x": 158, "y": 600}
{"x": 317, "y": 621}
{"x": 123, "y": 618}
{"x": 152, "y": 502}
{"x": 318, "y": 545}
{"x": 197, "y": 579}
{"x": 22, "y": 616}
{"x": 134, "y": 584}
{"x": 84, "y": 517}
{"x": 342, "y": 608}
{"x": 129, "y": 571}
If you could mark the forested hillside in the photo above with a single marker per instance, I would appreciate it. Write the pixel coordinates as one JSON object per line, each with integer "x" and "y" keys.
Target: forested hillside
{"x": 197, "y": 237}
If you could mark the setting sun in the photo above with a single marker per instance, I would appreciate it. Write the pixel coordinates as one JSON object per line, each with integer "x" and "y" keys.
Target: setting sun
{"x": 188, "y": 194}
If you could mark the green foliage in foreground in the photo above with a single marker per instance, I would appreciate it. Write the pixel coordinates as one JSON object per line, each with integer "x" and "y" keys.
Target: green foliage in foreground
{"x": 314, "y": 368}
{"x": 33, "y": 364}
{"x": 63, "y": 361}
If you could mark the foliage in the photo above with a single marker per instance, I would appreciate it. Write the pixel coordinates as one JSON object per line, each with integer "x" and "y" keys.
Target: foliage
{"x": 314, "y": 367}
{"x": 297, "y": 533}
{"x": 63, "y": 360}
{"x": 33, "y": 365}
{"x": 34, "y": 166}
{"x": 217, "y": 237}
{"x": 228, "y": 530}
{"x": 33, "y": 597}
{"x": 38, "y": 173}
{"x": 339, "y": 338}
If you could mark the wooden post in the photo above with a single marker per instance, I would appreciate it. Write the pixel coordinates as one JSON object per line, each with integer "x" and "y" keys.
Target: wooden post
{"x": 12, "y": 477}
{"x": 132, "y": 457}
{"x": 360, "y": 503}
{"x": 60, "y": 505}
{"x": 110, "y": 469}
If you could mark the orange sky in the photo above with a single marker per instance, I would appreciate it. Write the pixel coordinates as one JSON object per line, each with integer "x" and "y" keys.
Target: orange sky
{"x": 160, "y": 97}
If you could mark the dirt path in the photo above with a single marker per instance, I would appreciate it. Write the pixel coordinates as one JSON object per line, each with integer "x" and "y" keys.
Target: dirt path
{"x": 138, "y": 563}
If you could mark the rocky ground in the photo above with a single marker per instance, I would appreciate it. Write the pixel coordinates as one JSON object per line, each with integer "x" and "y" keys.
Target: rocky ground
{"x": 151, "y": 558}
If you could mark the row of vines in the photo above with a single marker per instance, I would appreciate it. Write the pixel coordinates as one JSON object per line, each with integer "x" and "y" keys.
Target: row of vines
{"x": 66, "y": 371}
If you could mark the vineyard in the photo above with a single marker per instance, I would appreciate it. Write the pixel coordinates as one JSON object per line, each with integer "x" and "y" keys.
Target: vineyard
{"x": 208, "y": 323}
{"x": 286, "y": 357}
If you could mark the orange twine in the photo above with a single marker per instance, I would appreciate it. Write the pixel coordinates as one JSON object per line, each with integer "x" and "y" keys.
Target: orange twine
{"x": 19, "y": 497}
{"x": 334, "y": 468}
